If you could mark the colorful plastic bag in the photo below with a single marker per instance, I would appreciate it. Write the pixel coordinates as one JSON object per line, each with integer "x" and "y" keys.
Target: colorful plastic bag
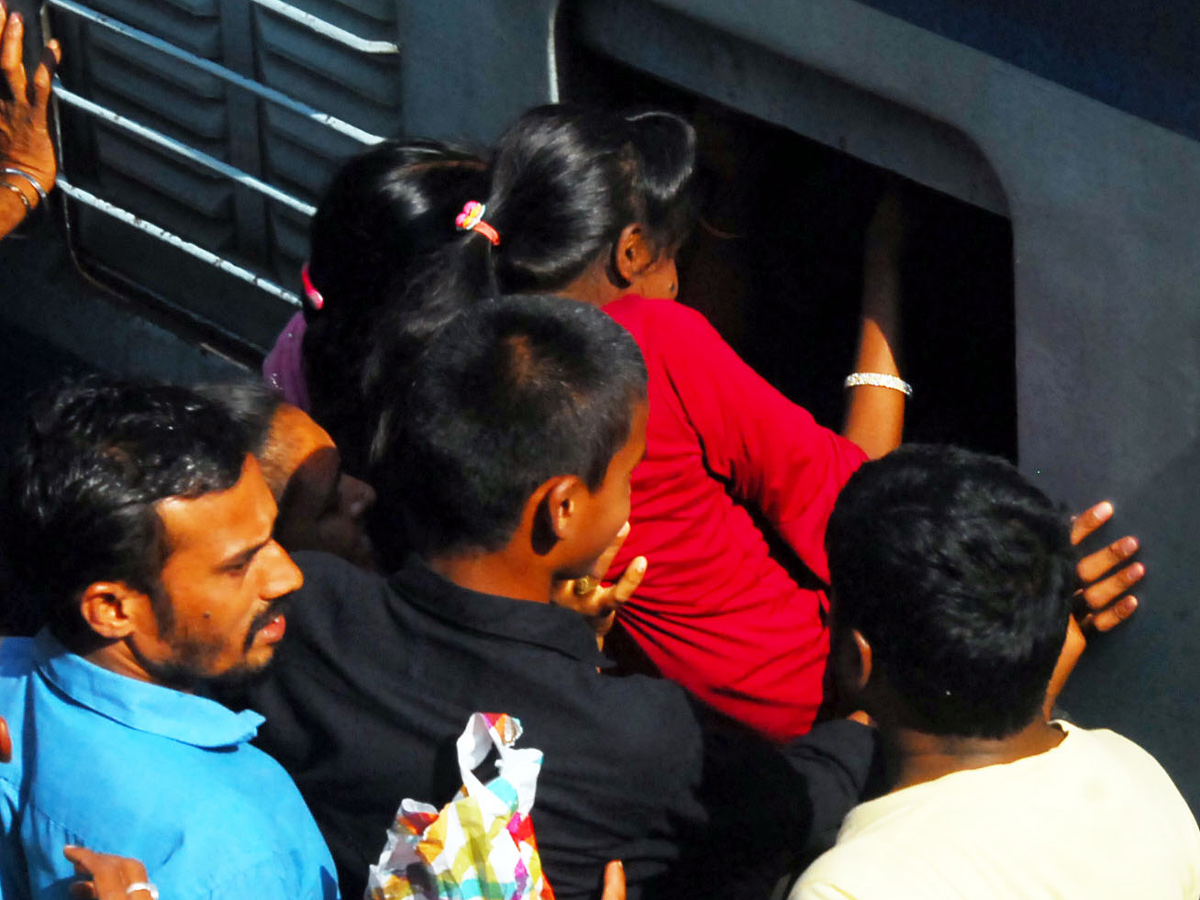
{"x": 481, "y": 845}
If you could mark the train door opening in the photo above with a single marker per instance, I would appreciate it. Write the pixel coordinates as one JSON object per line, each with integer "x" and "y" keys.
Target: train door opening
{"x": 776, "y": 261}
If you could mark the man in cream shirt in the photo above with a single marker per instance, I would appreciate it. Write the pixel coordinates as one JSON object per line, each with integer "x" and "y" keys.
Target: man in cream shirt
{"x": 953, "y": 583}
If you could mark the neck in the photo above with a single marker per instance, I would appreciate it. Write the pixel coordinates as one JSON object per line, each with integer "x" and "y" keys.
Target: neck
{"x": 916, "y": 757}
{"x": 501, "y": 572}
{"x": 593, "y": 287}
{"x": 121, "y": 657}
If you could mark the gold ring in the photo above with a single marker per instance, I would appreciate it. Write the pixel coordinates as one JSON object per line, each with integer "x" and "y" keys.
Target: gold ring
{"x": 585, "y": 585}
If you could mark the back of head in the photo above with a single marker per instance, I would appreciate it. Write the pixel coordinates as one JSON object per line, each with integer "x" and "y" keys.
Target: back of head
{"x": 565, "y": 181}
{"x": 510, "y": 394}
{"x": 254, "y": 406}
{"x": 382, "y": 215}
{"x": 384, "y": 210}
{"x": 959, "y": 573}
{"x": 95, "y": 457}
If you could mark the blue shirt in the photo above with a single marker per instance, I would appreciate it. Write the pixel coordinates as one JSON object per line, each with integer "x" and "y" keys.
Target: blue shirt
{"x": 122, "y": 766}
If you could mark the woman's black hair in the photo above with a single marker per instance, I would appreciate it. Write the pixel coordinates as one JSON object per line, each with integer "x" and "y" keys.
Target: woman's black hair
{"x": 565, "y": 181}
{"x": 384, "y": 212}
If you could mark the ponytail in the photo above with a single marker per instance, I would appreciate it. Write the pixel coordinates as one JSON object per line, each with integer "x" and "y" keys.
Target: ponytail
{"x": 384, "y": 212}
{"x": 564, "y": 182}
{"x": 666, "y": 185}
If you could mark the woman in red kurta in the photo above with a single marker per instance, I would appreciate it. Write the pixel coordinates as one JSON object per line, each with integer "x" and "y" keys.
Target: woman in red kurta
{"x": 715, "y": 611}
{"x": 593, "y": 207}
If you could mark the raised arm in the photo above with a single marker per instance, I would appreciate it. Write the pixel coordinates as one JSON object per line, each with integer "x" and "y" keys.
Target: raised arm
{"x": 25, "y": 145}
{"x": 1103, "y": 601}
{"x": 875, "y": 415}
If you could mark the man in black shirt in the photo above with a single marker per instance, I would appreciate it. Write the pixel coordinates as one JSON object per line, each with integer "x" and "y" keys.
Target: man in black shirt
{"x": 507, "y": 462}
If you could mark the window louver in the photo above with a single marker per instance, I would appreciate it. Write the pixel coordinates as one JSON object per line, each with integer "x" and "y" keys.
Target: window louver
{"x": 198, "y": 134}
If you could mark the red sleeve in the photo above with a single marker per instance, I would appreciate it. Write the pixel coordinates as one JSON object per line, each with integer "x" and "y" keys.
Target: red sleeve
{"x": 771, "y": 451}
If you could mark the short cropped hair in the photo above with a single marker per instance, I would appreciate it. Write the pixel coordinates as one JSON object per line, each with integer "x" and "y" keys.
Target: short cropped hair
{"x": 95, "y": 457}
{"x": 511, "y": 393}
{"x": 252, "y": 405}
{"x": 959, "y": 573}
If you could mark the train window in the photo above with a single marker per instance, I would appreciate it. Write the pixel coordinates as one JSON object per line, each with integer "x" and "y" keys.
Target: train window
{"x": 196, "y": 136}
{"x": 777, "y": 262}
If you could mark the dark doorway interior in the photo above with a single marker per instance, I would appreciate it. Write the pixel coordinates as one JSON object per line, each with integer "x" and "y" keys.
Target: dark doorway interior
{"x": 777, "y": 265}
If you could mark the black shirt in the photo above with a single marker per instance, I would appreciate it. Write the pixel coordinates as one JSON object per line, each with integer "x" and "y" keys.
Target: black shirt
{"x": 375, "y": 679}
{"x": 374, "y": 682}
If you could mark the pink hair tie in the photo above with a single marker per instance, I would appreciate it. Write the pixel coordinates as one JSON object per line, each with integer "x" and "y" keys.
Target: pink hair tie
{"x": 313, "y": 295}
{"x": 471, "y": 219}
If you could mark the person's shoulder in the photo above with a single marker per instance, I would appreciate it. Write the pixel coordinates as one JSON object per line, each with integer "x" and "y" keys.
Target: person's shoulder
{"x": 1103, "y": 750}
{"x": 16, "y": 665}
{"x": 1103, "y": 744}
{"x": 633, "y": 310}
{"x": 326, "y": 571}
{"x": 335, "y": 592}
{"x": 16, "y": 656}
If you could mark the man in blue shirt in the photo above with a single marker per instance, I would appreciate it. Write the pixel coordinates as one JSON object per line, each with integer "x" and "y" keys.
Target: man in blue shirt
{"x": 146, "y": 527}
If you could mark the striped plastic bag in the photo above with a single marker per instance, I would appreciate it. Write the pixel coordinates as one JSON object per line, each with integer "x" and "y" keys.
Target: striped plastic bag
{"x": 481, "y": 845}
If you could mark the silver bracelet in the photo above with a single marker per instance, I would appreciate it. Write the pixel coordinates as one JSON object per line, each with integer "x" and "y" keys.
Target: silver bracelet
{"x": 878, "y": 379}
{"x": 21, "y": 173}
{"x": 20, "y": 193}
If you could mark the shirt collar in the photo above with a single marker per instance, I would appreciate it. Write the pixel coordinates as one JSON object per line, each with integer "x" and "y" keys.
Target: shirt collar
{"x": 871, "y": 811}
{"x": 540, "y": 624}
{"x": 151, "y": 708}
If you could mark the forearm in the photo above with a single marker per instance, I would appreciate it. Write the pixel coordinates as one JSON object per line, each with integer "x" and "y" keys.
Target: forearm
{"x": 25, "y": 145}
{"x": 12, "y": 212}
{"x": 875, "y": 415}
{"x": 19, "y": 198}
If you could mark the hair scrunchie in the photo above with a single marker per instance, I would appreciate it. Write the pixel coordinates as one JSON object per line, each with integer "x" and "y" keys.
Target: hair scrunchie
{"x": 471, "y": 219}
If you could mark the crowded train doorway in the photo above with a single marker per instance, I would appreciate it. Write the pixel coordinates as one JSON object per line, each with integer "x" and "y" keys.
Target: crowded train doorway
{"x": 776, "y": 262}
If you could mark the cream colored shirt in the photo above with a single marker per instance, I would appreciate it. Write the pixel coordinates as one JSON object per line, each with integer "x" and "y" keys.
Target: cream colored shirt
{"x": 1094, "y": 818}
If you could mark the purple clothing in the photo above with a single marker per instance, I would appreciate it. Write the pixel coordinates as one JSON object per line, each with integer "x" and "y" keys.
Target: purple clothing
{"x": 283, "y": 369}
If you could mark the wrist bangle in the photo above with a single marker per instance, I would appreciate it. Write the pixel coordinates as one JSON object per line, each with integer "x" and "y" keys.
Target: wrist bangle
{"x": 878, "y": 379}
{"x": 21, "y": 173}
{"x": 20, "y": 193}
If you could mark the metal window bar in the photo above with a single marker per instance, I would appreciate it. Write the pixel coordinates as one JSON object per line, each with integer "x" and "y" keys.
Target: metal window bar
{"x": 89, "y": 199}
{"x": 207, "y": 65}
{"x": 327, "y": 29}
{"x": 181, "y": 149}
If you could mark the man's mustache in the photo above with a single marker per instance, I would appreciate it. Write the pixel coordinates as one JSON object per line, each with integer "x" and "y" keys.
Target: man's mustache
{"x": 264, "y": 618}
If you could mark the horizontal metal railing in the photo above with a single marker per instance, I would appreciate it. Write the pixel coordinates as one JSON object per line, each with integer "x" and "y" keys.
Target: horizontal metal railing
{"x": 99, "y": 203}
{"x": 181, "y": 149}
{"x": 199, "y": 157}
{"x": 212, "y": 68}
{"x": 326, "y": 29}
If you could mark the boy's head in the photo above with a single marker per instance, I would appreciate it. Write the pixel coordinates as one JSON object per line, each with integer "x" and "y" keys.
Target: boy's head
{"x": 952, "y": 580}
{"x": 524, "y": 412}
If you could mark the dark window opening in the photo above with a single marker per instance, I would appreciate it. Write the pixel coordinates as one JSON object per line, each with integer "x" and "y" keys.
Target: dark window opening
{"x": 777, "y": 265}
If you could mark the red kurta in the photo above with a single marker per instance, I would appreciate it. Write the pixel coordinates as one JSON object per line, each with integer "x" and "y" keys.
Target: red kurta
{"x": 715, "y": 612}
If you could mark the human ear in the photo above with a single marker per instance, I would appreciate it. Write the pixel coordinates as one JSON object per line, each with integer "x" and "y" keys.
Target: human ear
{"x": 634, "y": 255}
{"x": 112, "y": 608}
{"x": 864, "y": 656}
{"x": 562, "y": 505}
